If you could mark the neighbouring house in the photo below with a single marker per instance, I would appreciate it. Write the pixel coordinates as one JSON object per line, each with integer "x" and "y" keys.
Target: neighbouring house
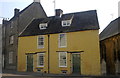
{"x": 110, "y": 47}
{"x": 64, "y": 43}
{"x": 12, "y": 28}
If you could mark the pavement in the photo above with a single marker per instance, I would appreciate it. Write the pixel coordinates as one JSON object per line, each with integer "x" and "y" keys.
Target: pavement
{"x": 16, "y": 74}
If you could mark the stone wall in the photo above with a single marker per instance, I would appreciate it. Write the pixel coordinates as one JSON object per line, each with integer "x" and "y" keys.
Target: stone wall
{"x": 110, "y": 52}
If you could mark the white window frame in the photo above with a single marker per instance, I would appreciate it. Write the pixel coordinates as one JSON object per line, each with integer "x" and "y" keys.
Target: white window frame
{"x": 40, "y": 46}
{"x": 38, "y": 54}
{"x": 59, "y": 41}
{"x": 65, "y": 23}
{"x": 60, "y": 59}
{"x": 11, "y": 57}
{"x": 43, "y": 26}
{"x": 11, "y": 41}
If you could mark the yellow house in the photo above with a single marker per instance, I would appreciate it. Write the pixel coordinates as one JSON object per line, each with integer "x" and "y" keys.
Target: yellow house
{"x": 64, "y": 43}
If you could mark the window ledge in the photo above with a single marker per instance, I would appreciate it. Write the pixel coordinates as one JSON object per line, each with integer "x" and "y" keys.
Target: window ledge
{"x": 62, "y": 46}
{"x": 40, "y": 47}
{"x": 62, "y": 66}
{"x": 40, "y": 66}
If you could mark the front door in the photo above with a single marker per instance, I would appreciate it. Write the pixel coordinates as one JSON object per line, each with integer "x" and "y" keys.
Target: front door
{"x": 76, "y": 63}
{"x": 30, "y": 62}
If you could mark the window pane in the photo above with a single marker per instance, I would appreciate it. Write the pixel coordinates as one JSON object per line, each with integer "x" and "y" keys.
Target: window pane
{"x": 41, "y": 59}
{"x": 62, "y": 59}
{"x": 43, "y": 26}
{"x": 11, "y": 24}
{"x": 40, "y": 41}
{"x": 62, "y": 41}
{"x": 11, "y": 39}
{"x": 66, "y": 23}
{"x": 10, "y": 57}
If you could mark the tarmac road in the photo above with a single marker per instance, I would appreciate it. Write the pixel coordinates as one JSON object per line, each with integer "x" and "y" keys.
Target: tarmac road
{"x": 8, "y": 75}
{"x": 15, "y": 74}
{"x": 30, "y": 76}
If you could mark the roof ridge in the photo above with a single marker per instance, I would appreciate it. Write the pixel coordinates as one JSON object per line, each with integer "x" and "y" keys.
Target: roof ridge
{"x": 113, "y": 26}
{"x": 21, "y": 11}
{"x": 26, "y": 8}
{"x": 26, "y": 27}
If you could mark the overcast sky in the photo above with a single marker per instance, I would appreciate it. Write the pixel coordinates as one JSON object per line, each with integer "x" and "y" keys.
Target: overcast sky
{"x": 107, "y": 10}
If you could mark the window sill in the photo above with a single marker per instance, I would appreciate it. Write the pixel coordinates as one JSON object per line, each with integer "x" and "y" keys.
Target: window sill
{"x": 40, "y": 66}
{"x": 62, "y": 46}
{"x": 65, "y": 25}
{"x": 62, "y": 66}
{"x": 40, "y": 47}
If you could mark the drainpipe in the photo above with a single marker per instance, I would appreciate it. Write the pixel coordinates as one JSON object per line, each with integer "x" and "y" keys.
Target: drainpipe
{"x": 48, "y": 53}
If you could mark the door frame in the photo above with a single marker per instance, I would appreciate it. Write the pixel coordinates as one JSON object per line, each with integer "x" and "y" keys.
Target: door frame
{"x": 72, "y": 62}
{"x": 26, "y": 62}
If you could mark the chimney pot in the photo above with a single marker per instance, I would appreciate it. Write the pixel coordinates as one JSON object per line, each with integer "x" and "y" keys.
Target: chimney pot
{"x": 4, "y": 21}
{"x": 36, "y": 0}
{"x": 16, "y": 11}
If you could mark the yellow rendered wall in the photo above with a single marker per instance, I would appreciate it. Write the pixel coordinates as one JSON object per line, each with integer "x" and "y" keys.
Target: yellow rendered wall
{"x": 87, "y": 41}
{"x": 29, "y": 45}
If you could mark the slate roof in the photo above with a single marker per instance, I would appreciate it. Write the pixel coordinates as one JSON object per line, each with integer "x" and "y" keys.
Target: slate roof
{"x": 22, "y": 11}
{"x": 81, "y": 21}
{"x": 112, "y": 29}
{"x": 25, "y": 16}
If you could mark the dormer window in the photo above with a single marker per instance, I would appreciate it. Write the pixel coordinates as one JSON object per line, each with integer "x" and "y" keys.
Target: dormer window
{"x": 66, "y": 23}
{"x": 43, "y": 26}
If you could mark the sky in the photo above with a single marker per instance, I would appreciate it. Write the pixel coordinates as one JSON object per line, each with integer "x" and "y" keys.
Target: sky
{"x": 107, "y": 10}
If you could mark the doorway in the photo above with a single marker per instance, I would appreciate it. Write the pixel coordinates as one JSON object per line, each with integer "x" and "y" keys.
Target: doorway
{"x": 29, "y": 62}
{"x": 76, "y": 63}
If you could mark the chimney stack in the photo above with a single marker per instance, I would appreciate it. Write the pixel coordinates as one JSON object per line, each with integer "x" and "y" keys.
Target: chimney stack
{"x": 16, "y": 11}
{"x": 37, "y": 1}
{"x": 58, "y": 12}
{"x": 4, "y": 21}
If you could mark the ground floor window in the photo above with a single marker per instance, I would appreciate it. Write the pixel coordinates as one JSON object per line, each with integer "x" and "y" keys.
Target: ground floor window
{"x": 10, "y": 57}
{"x": 62, "y": 59}
{"x": 40, "y": 59}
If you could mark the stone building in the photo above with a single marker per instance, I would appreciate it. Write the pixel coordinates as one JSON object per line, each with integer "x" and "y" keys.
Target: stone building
{"x": 13, "y": 27}
{"x": 110, "y": 47}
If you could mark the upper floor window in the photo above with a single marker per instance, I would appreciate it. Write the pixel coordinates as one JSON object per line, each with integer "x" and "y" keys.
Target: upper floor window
{"x": 62, "y": 40}
{"x": 41, "y": 41}
{"x": 66, "y": 23}
{"x": 40, "y": 59}
{"x": 43, "y": 26}
{"x": 11, "y": 39}
{"x": 11, "y": 25}
{"x": 10, "y": 57}
{"x": 62, "y": 59}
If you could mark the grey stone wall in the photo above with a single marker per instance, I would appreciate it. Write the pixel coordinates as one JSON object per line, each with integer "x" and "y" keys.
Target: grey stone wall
{"x": 18, "y": 23}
